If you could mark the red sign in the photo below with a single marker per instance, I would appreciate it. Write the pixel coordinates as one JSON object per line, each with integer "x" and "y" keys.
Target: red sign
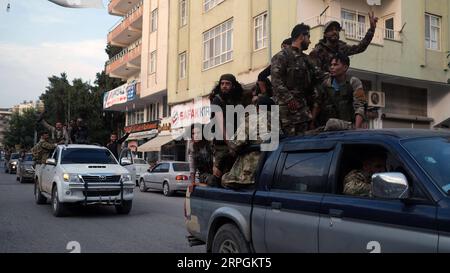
{"x": 142, "y": 127}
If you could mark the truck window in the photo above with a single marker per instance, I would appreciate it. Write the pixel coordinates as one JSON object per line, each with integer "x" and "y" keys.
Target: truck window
{"x": 304, "y": 172}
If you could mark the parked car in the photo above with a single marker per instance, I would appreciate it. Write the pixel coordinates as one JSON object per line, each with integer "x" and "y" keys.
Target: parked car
{"x": 168, "y": 177}
{"x": 83, "y": 175}
{"x": 25, "y": 169}
{"x": 11, "y": 166}
{"x": 299, "y": 204}
{"x": 137, "y": 167}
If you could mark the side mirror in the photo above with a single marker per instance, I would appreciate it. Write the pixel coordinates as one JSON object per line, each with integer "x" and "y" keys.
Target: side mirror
{"x": 51, "y": 162}
{"x": 125, "y": 162}
{"x": 390, "y": 186}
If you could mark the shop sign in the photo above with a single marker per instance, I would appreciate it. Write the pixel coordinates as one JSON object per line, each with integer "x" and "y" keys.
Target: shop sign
{"x": 196, "y": 111}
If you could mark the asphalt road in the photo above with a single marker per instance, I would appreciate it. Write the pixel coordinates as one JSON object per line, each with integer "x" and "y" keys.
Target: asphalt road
{"x": 155, "y": 224}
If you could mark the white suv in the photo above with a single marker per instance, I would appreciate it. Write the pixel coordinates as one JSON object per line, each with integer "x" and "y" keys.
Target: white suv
{"x": 84, "y": 175}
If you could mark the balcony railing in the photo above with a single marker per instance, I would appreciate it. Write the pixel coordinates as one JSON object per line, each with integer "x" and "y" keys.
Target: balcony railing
{"x": 124, "y": 56}
{"x": 134, "y": 14}
{"x": 354, "y": 30}
{"x": 128, "y": 15}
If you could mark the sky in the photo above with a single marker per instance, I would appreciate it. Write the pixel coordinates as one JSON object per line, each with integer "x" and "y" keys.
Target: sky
{"x": 39, "y": 39}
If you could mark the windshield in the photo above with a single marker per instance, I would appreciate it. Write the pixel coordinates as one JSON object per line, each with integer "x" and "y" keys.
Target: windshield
{"x": 181, "y": 167}
{"x": 28, "y": 157}
{"x": 433, "y": 154}
{"x": 87, "y": 156}
{"x": 15, "y": 156}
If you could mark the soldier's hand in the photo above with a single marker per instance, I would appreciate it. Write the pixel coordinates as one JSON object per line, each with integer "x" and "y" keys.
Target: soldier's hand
{"x": 373, "y": 20}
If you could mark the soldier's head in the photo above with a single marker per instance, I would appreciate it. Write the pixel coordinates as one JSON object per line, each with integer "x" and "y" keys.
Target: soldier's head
{"x": 286, "y": 43}
{"x": 227, "y": 82}
{"x": 331, "y": 31}
{"x": 374, "y": 161}
{"x": 113, "y": 137}
{"x": 79, "y": 122}
{"x": 45, "y": 136}
{"x": 300, "y": 36}
{"x": 58, "y": 125}
{"x": 339, "y": 66}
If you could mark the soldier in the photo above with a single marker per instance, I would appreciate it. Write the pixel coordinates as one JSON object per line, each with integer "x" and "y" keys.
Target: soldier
{"x": 115, "y": 143}
{"x": 228, "y": 92}
{"x": 58, "y": 132}
{"x": 341, "y": 96}
{"x": 200, "y": 156}
{"x": 293, "y": 79}
{"x": 41, "y": 151}
{"x": 358, "y": 182}
{"x": 331, "y": 43}
{"x": 243, "y": 171}
{"x": 81, "y": 135}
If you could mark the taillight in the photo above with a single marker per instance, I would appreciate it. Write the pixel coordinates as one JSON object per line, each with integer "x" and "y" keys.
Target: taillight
{"x": 182, "y": 178}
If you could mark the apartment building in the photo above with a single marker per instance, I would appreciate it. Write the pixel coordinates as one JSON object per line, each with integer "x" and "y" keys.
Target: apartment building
{"x": 21, "y": 107}
{"x": 142, "y": 32}
{"x": 407, "y": 60}
{"x": 5, "y": 115}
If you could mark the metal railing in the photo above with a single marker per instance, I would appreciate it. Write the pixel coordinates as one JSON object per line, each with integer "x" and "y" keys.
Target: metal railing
{"x": 124, "y": 52}
{"x": 354, "y": 29}
{"x": 131, "y": 12}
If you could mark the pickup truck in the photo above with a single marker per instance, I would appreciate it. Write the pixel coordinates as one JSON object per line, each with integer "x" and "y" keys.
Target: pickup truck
{"x": 83, "y": 175}
{"x": 298, "y": 203}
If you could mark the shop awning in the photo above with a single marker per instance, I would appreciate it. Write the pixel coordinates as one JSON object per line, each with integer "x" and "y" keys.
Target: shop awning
{"x": 155, "y": 144}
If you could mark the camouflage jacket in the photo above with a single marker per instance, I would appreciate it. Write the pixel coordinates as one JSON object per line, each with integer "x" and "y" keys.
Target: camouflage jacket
{"x": 294, "y": 76}
{"x": 57, "y": 136}
{"x": 322, "y": 54}
{"x": 41, "y": 151}
{"x": 357, "y": 183}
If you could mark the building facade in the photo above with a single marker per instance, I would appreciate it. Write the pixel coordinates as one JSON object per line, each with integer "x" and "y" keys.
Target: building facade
{"x": 20, "y": 108}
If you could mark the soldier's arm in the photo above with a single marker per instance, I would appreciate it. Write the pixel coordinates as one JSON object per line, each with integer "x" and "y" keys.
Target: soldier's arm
{"x": 278, "y": 71}
{"x": 47, "y": 126}
{"x": 355, "y": 185}
{"x": 359, "y": 101}
{"x": 48, "y": 146}
{"x": 314, "y": 55}
{"x": 362, "y": 46}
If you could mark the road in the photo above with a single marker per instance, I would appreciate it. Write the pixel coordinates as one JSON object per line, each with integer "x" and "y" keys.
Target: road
{"x": 155, "y": 224}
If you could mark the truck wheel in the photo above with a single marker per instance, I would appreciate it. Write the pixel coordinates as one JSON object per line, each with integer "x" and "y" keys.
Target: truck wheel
{"x": 229, "y": 239}
{"x": 59, "y": 209}
{"x": 142, "y": 186}
{"x": 39, "y": 198}
{"x": 166, "y": 190}
{"x": 124, "y": 208}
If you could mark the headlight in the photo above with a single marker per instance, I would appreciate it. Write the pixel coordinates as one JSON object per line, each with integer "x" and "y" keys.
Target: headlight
{"x": 126, "y": 178}
{"x": 14, "y": 163}
{"x": 71, "y": 178}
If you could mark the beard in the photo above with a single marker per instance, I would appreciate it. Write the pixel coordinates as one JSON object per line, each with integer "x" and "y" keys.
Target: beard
{"x": 304, "y": 46}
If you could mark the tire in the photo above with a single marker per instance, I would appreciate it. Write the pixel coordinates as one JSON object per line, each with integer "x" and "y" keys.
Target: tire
{"x": 124, "y": 208}
{"x": 166, "y": 190}
{"x": 21, "y": 179}
{"x": 59, "y": 209}
{"x": 229, "y": 239}
{"x": 142, "y": 186}
{"x": 39, "y": 198}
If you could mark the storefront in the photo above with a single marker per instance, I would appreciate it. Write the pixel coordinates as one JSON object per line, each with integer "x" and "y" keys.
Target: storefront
{"x": 140, "y": 134}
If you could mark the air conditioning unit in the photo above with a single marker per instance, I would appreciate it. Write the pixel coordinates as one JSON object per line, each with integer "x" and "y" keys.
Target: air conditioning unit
{"x": 377, "y": 99}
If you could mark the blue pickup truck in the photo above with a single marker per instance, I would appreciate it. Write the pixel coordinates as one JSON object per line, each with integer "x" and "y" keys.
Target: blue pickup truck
{"x": 298, "y": 203}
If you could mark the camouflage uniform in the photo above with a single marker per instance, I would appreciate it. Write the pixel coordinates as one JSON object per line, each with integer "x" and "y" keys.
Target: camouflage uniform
{"x": 293, "y": 78}
{"x": 322, "y": 53}
{"x": 357, "y": 183}
{"x": 344, "y": 103}
{"x": 243, "y": 171}
{"x": 41, "y": 151}
{"x": 201, "y": 160}
{"x": 57, "y": 136}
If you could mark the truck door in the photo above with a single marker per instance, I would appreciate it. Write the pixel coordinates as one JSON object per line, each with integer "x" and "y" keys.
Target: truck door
{"x": 294, "y": 199}
{"x": 355, "y": 224}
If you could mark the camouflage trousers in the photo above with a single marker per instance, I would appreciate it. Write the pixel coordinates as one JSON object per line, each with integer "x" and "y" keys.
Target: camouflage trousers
{"x": 223, "y": 160}
{"x": 295, "y": 123}
{"x": 243, "y": 171}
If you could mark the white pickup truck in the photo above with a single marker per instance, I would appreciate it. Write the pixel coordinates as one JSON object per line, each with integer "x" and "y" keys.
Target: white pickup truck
{"x": 83, "y": 175}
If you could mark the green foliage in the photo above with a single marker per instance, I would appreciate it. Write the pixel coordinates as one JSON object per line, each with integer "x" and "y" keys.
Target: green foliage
{"x": 21, "y": 129}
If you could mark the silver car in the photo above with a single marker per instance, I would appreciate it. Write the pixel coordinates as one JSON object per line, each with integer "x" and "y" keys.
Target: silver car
{"x": 25, "y": 169}
{"x": 12, "y": 163}
{"x": 168, "y": 177}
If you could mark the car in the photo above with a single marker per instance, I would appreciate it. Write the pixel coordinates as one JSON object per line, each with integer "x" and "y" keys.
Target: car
{"x": 11, "y": 166}
{"x": 169, "y": 177}
{"x": 83, "y": 175}
{"x": 299, "y": 202}
{"x": 137, "y": 167}
{"x": 25, "y": 169}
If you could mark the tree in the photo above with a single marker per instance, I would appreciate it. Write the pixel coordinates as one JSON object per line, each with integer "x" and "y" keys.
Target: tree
{"x": 22, "y": 127}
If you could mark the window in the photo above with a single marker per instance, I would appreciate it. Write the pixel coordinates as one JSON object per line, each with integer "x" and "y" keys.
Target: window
{"x": 218, "y": 45}
{"x": 182, "y": 65}
{"x": 87, "y": 156}
{"x": 140, "y": 116}
{"x": 389, "y": 29}
{"x": 304, "y": 172}
{"x": 166, "y": 113}
{"x": 153, "y": 62}
{"x": 131, "y": 118}
{"x": 154, "y": 20}
{"x": 432, "y": 32}
{"x": 261, "y": 31}
{"x": 354, "y": 24}
{"x": 209, "y": 4}
{"x": 183, "y": 12}
{"x": 162, "y": 168}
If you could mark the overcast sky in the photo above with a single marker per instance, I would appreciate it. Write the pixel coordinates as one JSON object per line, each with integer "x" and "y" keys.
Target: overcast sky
{"x": 39, "y": 39}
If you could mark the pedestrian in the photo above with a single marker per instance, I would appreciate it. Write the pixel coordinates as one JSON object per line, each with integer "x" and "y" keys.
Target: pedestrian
{"x": 228, "y": 92}
{"x": 200, "y": 156}
{"x": 294, "y": 76}
{"x": 341, "y": 96}
{"x": 331, "y": 44}
{"x": 115, "y": 144}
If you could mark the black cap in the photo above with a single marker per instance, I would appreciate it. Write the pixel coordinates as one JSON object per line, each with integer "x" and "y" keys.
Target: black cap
{"x": 228, "y": 77}
{"x": 300, "y": 29}
{"x": 330, "y": 24}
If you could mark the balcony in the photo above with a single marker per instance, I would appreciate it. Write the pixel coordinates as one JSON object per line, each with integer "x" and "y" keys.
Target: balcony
{"x": 121, "y": 7}
{"x": 126, "y": 63}
{"x": 129, "y": 28}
